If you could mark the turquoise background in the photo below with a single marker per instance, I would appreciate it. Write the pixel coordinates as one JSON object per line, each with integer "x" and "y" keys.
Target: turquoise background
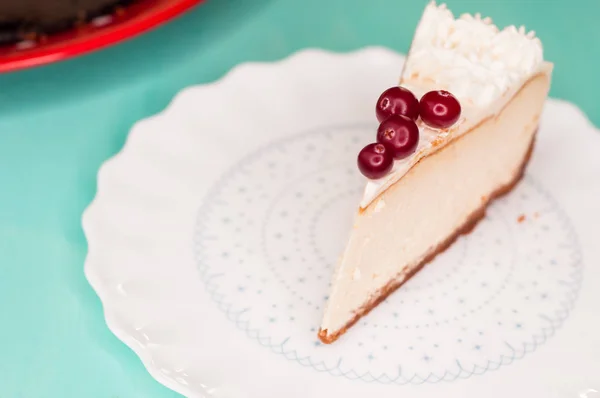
{"x": 59, "y": 123}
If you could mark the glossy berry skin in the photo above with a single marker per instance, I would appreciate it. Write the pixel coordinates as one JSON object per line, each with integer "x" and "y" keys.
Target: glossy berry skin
{"x": 397, "y": 101}
{"x": 439, "y": 109}
{"x": 375, "y": 160}
{"x": 400, "y": 135}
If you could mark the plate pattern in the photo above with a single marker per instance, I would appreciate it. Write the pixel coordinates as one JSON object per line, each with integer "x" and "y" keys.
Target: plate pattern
{"x": 270, "y": 231}
{"x": 237, "y": 225}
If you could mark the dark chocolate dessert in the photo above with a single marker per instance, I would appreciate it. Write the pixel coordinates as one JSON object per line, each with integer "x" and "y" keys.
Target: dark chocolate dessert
{"x": 30, "y": 19}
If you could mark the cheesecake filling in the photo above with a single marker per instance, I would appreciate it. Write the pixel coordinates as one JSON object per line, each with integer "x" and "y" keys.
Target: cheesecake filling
{"x": 482, "y": 66}
{"x": 451, "y": 188}
{"x": 429, "y": 198}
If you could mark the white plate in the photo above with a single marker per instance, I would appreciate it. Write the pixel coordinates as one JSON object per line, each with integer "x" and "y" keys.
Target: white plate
{"x": 213, "y": 235}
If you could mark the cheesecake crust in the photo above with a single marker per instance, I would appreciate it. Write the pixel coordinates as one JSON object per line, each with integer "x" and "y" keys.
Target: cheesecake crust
{"x": 327, "y": 338}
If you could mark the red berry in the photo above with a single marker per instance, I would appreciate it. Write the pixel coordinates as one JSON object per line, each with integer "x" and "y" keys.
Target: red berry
{"x": 400, "y": 134}
{"x": 375, "y": 160}
{"x": 439, "y": 109}
{"x": 397, "y": 101}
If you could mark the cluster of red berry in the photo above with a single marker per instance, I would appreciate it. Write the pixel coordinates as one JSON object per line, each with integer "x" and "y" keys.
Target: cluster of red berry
{"x": 398, "y": 135}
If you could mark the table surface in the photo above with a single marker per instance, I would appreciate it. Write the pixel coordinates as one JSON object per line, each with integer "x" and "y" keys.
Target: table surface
{"x": 60, "y": 122}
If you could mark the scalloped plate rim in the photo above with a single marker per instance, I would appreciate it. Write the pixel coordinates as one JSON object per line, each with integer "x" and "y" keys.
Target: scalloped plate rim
{"x": 91, "y": 267}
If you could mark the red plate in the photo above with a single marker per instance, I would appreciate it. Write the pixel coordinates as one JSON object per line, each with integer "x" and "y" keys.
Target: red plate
{"x": 137, "y": 18}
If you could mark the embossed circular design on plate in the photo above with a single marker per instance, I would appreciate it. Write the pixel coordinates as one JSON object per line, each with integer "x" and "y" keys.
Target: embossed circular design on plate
{"x": 269, "y": 233}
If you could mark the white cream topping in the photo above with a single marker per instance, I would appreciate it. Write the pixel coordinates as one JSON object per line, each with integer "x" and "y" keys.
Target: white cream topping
{"x": 475, "y": 61}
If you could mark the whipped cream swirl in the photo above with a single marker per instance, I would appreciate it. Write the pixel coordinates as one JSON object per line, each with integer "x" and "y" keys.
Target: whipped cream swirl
{"x": 470, "y": 57}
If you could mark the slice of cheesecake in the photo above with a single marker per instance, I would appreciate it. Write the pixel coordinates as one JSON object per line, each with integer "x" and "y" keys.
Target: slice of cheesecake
{"x": 420, "y": 207}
